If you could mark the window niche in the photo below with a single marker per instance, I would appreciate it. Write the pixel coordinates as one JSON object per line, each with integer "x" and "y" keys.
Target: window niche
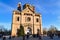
{"x": 37, "y": 20}
{"x": 17, "y": 18}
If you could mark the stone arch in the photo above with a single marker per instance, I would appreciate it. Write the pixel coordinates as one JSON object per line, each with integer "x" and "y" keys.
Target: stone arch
{"x": 38, "y": 31}
{"x": 29, "y": 30}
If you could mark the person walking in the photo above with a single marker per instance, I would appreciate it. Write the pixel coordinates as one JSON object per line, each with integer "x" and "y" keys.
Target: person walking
{"x": 27, "y": 35}
{"x": 23, "y": 37}
{"x": 4, "y": 38}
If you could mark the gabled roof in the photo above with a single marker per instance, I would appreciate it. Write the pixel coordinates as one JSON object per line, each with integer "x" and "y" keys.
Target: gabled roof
{"x": 27, "y": 9}
{"x": 30, "y": 7}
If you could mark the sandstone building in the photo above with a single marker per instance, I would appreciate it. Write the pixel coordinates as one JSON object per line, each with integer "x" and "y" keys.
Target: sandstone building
{"x": 27, "y": 16}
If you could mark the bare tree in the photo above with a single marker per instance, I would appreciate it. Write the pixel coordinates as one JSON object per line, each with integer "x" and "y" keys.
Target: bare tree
{"x": 52, "y": 30}
{"x": 45, "y": 31}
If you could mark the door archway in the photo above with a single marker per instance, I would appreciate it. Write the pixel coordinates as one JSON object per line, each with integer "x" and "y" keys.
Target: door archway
{"x": 29, "y": 30}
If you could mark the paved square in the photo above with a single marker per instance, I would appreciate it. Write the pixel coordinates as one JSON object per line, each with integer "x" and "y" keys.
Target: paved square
{"x": 32, "y": 38}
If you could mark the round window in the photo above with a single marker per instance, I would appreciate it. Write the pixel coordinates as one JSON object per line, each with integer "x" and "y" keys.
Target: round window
{"x": 28, "y": 19}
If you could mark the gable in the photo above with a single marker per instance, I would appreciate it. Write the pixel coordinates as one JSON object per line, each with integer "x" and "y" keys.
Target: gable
{"x": 27, "y": 10}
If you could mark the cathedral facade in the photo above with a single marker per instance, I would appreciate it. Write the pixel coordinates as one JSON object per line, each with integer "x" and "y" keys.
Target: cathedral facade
{"x": 30, "y": 20}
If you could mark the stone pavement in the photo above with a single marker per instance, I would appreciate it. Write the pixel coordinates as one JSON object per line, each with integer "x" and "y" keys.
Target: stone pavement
{"x": 31, "y": 38}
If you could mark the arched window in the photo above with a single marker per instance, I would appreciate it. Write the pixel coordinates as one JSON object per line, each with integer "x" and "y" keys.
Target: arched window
{"x": 37, "y": 20}
{"x": 17, "y": 18}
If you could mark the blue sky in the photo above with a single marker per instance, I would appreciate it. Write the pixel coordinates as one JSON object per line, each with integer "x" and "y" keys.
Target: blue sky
{"x": 49, "y": 9}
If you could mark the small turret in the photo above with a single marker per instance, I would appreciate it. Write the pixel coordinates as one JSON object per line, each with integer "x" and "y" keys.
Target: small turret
{"x": 19, "y": 6}
{"x": 26, "y": 6}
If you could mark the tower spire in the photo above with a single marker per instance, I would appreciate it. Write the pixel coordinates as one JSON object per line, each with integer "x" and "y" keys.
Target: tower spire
{"x": 19, "y": 6}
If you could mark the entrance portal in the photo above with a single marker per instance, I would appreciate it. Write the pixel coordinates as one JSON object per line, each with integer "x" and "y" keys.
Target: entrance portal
{"x": 29, "y": 30}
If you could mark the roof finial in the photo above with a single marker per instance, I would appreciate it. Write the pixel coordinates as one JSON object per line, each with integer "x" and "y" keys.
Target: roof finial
{"x": 19, "y": 3}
